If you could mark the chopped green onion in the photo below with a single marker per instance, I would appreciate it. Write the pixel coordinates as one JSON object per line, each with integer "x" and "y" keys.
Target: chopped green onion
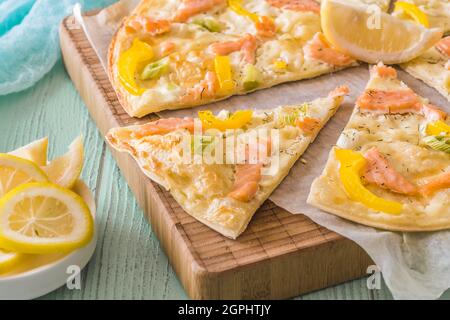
{"x": 155, "y": 69}
{"x": 210, "y": 24}
{"x": 252, "y": 77}
{"x": 290, "y": 119}
{"x": 440, "y": 143}
{"x": 171, "y": 86}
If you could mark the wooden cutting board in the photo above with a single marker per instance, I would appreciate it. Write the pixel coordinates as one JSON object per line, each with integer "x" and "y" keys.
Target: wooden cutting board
{"x": 280, "y": 255}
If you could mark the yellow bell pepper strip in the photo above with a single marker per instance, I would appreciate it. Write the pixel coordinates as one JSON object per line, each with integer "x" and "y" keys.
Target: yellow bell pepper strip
{"x": 280, "y": 65}
{"x": 139, "y": 54}
{"x": 413, "y": 11}
{"x": 236, "y": 121}
{"x": 438, "y": 128}
{"x": 236, "y": 6}
{"x": 351, "y": 165}
{"x": 264, "y": 24}
{"x": 222, "y": 67}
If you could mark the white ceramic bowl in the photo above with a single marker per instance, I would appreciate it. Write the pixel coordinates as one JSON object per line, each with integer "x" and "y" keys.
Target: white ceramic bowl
{"x": 46, "y": 273}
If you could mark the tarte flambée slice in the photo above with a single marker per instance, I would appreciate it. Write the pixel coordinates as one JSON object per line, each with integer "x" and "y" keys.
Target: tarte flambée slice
{"x": 219, "y": 186}
{"x": 391, "y": 166}
{"x": 182, "y": 53}
{"x": 433, "y": 67}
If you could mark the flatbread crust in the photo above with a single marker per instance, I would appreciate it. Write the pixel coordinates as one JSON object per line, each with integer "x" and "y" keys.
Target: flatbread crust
{"x": 202, "y": 189}
{"x": 295, "y": 30}
{"x": 399, "y": 138}
{"x": 430, "y": 68}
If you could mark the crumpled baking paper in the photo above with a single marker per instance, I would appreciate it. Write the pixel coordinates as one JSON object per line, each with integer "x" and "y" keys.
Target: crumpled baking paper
{"x": 414, "y": 265}
{"x": 29, "y": 44}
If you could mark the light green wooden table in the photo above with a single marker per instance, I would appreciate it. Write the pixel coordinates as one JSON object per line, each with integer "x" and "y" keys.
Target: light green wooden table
{"x": 129, "y": 262}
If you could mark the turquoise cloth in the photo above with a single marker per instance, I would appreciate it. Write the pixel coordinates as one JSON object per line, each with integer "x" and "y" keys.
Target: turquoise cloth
{"x": 29, "y": 45}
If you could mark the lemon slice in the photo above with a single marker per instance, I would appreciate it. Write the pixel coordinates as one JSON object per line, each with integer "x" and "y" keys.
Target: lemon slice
{"x": 35, "y": 151}
{"x": 8, "y": 260}
{"x": 66, "y": 169}
{"x": 42, "y": 217}
{"x": 374, "y": 36}
{"x": 15, "y": 171}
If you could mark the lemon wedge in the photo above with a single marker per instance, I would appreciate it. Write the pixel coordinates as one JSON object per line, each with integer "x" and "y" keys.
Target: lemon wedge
{"x": 411, "y": 10}
{"x": 8, "y": 260}
{"x": 36, "y": 152}
{"x": 66, "y": 169}
{"x": 42, "y": 218}
{"x": 15, "y": 171}
{"x": 374, "y": 36}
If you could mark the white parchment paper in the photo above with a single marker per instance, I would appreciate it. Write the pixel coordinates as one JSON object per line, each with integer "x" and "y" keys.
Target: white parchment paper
{"x": 414, "y": 265}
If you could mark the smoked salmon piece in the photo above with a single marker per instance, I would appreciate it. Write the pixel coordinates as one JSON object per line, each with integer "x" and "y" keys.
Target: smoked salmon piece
{"x": 189, "y": 8}
{"x": 441, "y": 182}
{"x": 319, "y": 48}
{"x": 247, "y": 45}
{"x": 246, "y": 182}
{"x": 400, "y": 101}
{"x": 265, "y": 27}
{"x": 149, "y": 25}
{"x": 296, "y": 5}
{"x": 339, "y": 92}
{"x": 308, "y": 125}
{"x": 383, "y": 71}
{"x": 248, "y": 175}
{"x": 167, "y": 48}
{"x": 444, "y": 46}
{"x": 380, "y": 172}
{"x": 163, "y": 126}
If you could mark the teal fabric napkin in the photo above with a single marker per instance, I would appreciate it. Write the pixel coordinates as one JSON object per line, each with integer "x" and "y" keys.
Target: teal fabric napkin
{"x": 29, "y": 45}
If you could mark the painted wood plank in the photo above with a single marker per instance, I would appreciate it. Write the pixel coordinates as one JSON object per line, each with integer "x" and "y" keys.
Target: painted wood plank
{"x": 356, "y": 289}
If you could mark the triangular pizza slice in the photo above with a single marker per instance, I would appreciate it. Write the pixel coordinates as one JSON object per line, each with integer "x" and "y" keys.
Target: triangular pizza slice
{"x": 221, "y": 168}
{"x": 182, "y": 53}
{"x": 391, "y": 165}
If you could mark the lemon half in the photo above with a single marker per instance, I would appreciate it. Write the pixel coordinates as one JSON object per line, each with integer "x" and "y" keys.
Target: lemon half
{"x": 42, "y": 217}
{"x": 372, "y": 36}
